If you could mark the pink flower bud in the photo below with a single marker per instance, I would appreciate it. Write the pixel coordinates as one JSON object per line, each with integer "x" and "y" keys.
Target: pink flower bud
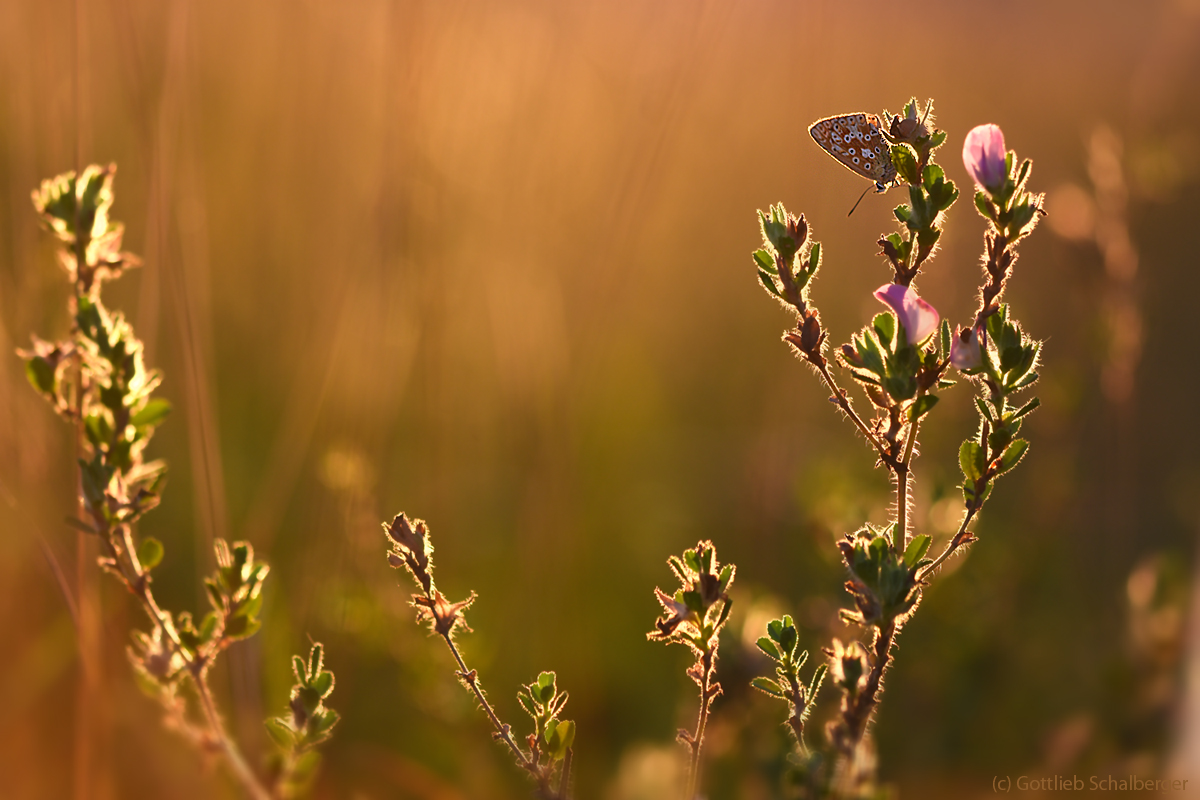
{"x": 984, "y": 156}
{"x": 919, "y": 318}
{"x": 964, "y": 349}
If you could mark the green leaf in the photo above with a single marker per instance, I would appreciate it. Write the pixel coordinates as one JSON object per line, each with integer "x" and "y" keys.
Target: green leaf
{"x": 968, "y": 457}
{"x": 768, "y": 686}
{"x": 885, "y": 326}
{"x": 788, "y": 638}
{"x": 150, "y": 552}
{"x": 983, "y": 204}
{"x": 1012, "y": 454}
{"x": 153, "y": 413}
{"x": 923, "y": 405}
{"x": 775, "y": 628}
{"x": 765, "y": 261}
{"x": 814, "y": 257}
{"x": 281, "y": 733}
{"x": 545, "y": 687}
{"x": 240, "y": 627}
{"x": 324, "y": 722}
{"x": 768, "y": 283}
{"x": 726, "y": 576}
{"x": 1025, "y": 409}
{"x": 208, "y": 626}
{"x": 917, "y": 548}
{"x": 527, "y": 703}
{"x": 814, "y": 685}
{"x": 904, "y": 158}
{"x": 323, "y": 684}
{"x": 561, "y": 740}
{"x": 41, "y": 375}
{"x": 937, "y": 140}
{"x": 316, "y": 660}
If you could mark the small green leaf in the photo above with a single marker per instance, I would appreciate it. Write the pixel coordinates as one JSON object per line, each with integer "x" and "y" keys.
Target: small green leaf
{"x": 527, "y": 703}
{"x": 765, "y": 261}
{"x": 281, "y": 733}
{"x": 41, "y": 375}
{"x": 325, "y": 721}
{"x": 153, "y": 413}
{"x": 788, "y": 638}
{"x": 968, "y": 456}
{"x": 904, "y": 158}
{"x": 1012, "y": 454}
{"x": 923, "y": 405}
{"x": 726, "y": 576}
{"x": 917, "y": 549}
{"x": 316, "y": 660}
{"x": 814, "y": 257}
{"x": 768, "y": 686}
{"x": 1025, "y": 409}
{"x": 150, "y": 552}
{"x": 885, "y": 326}
{"x": 545, "y": 687}
{"x": 323, "y": 684}
{"x": 814, "y": 685}
{"x": 563, "y": 737}
{"x": 768, "y": 647}
{"x": 768, "y": 283}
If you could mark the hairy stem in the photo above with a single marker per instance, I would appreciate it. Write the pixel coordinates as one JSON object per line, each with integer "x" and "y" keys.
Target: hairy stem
{"x": 858, "y": 713}
{"x": 843, "y": 402}
{"x": 903, "y": 471}
{"x": 955, "y": 543}
{"x": 503, "y": 732}
{"x": 697, "y": 741}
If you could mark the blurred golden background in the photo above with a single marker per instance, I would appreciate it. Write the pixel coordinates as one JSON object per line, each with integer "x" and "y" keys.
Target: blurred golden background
{"x": 488, "y": 263}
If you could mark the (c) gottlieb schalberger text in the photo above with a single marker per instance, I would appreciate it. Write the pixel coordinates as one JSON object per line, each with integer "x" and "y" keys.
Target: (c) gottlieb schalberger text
{"x": 1091, "y": 783}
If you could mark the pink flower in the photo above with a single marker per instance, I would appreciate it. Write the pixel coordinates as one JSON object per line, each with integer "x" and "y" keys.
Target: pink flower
{"x": 918, "y": 317}
{"x": 984, "y": 156}
{"x": 964, "y": 349}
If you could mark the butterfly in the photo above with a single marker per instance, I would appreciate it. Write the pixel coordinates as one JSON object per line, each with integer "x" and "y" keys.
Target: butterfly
{"x": 857, "y": 142}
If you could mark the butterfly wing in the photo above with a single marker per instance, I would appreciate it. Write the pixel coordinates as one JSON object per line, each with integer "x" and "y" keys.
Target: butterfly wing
{"x": 855, "y": 142}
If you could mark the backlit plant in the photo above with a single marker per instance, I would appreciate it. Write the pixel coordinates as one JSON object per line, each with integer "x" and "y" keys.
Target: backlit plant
{"x": 96, "y": 379}
{"x": 902, "y": 362}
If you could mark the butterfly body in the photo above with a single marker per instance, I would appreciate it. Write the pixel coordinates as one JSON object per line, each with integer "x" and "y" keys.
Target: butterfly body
{"x": 857, "y": 142}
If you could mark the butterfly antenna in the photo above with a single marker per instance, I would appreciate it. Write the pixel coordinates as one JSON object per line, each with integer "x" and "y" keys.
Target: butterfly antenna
{"x": 860, "y": 199}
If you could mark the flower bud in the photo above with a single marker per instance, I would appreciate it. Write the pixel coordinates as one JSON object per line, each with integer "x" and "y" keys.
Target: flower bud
{"x": 964, "y": 349}
{"x": 984, "y": 156}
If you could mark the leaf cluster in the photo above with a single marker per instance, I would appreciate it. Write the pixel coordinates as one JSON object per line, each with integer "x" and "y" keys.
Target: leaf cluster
{"x": 308, "y": 724}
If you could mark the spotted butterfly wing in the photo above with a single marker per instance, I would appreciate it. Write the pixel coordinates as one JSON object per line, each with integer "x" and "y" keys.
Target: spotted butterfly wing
{"x": 856, "y": 142}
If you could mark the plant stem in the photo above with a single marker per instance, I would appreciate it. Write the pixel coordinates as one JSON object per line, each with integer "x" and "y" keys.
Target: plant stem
{"x": 706, "y": 662}
{"x": 858, "y": 714}
{"x": 902, "y": 473}
{"x": 954, "y": 544}
{"x": 843, "y": 402}
{"x": 233, "y": 756}
{"x": 503, "y": 732}
{"x": 136, "y": 579}
{"x": 564, "y": 782}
